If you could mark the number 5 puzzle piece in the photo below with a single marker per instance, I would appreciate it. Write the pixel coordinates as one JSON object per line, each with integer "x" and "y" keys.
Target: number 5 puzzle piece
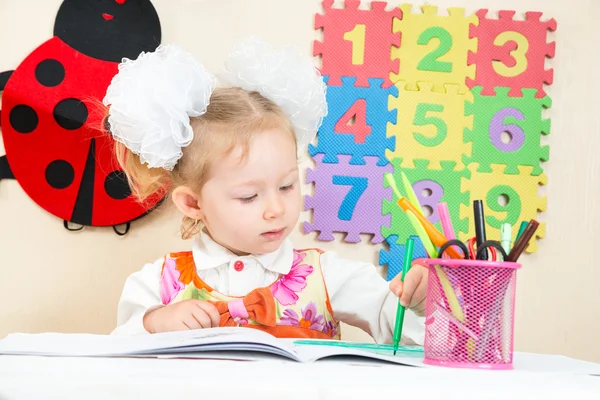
{"x": 347, "y": 198}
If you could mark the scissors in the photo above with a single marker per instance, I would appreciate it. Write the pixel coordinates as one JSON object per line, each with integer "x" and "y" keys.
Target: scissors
{"x": 471, "y": 253}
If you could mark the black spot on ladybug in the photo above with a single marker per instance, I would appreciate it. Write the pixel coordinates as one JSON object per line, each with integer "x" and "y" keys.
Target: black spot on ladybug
{"x": 70, "y": 113}
{"x": 50, "y": 72}
{"x": 23, "y": 119}
{"x": 116, "y": 185}
{"x": 109, "y": 29}
{"x": 60, "y": 174}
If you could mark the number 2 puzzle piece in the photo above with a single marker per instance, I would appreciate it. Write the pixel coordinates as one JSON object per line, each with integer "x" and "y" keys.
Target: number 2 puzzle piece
{"x": 431, "y": 187}
{"x": 521, "y": 117}
{"x": 357, "y": 42}
{"x": 347, "y": 198}
{"x": 506, "y": 198}
{"x": 511, "y": 53}
{"x": 434, "y": 47}
{"x": 394, "y": 257}
{"x": 430, "y": 123}
{"x": 368, "y": 109}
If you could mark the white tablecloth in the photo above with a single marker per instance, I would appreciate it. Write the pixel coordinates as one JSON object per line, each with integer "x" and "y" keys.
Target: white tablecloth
{"x": 30, "y": 377}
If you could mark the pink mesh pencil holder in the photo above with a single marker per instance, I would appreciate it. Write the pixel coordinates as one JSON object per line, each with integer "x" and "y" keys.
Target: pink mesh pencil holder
{"x": 470, "y": 313}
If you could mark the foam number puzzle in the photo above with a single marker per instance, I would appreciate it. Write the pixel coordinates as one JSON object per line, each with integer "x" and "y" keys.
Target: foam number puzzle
{"x": 454, "y": 100}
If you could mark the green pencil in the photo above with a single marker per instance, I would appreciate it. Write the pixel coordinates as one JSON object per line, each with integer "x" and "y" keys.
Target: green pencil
{"x": 400, "y": 311}
{"x": 521, "y": 229}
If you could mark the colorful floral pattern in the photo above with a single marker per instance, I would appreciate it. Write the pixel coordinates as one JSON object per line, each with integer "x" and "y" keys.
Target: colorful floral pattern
{"x": 295, "y": 306}
{"x": 285, "y": 289}
{"x": 310, "y": 319}
{"x": 170, "y": 283}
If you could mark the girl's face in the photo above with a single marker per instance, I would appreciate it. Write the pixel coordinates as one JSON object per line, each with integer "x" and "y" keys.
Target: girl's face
{"x": 250, "y": 206}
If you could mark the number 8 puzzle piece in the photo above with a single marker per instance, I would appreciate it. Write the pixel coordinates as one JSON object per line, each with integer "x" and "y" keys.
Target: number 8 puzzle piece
{"x": 347, "y": 198}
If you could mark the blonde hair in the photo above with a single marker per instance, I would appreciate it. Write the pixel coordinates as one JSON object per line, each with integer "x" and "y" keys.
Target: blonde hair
{"x": 232, "y": 117}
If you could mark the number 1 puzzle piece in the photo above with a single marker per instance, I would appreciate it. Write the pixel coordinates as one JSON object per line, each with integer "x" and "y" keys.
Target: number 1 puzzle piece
{"x": 347, "y": 198}
{"x": 430, "y": 123}
{"x": 434, "y": 47}
{"x": 357, "y": 42}
{"x": 394, "y": 257}
{"x": 367, "y": 108}
{"x": 511, "y": 53}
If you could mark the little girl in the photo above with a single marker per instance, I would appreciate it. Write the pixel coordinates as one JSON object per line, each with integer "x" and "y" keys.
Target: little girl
{"x": 227, "y": 157}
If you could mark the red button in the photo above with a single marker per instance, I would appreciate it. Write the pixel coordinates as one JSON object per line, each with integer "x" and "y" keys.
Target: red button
{"x": 238, "y": 266}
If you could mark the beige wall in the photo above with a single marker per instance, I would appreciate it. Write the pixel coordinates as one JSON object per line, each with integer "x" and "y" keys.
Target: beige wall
{"x": 53, "y": 280}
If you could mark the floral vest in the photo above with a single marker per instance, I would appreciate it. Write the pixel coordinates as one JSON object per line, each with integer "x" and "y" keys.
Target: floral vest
{"x": 294, "y": 306}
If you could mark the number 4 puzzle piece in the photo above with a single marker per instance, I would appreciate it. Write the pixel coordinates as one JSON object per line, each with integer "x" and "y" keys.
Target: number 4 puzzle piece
{"x": 357, "y": 42}
{"x": 347, "y": 198}
{"x": 394, "y": 257}
{"x": 367, "y": 135}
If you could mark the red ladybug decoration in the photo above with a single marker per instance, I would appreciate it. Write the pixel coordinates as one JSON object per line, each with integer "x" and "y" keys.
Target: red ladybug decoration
{"x": 52, "y": 117}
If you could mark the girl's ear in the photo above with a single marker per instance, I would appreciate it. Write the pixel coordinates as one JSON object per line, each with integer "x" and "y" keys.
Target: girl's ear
{"x": 188, "y": 202}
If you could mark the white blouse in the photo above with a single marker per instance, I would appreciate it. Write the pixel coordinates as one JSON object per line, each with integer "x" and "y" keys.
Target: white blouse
{"x": 359, "y": 295}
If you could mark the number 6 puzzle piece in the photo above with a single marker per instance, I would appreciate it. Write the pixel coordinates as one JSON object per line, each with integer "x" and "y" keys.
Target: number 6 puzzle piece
{"x": 511, "y": 53}
{"x": 357, "y": 42}
{"x": 347, "y": 198}
{"x": 521, "y": 117}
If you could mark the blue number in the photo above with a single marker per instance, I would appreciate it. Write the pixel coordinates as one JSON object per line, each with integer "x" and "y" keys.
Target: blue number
{"x": 357, "y": 188}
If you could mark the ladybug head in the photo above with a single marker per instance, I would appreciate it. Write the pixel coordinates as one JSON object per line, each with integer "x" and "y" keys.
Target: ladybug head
{"x": 109, "y": 29}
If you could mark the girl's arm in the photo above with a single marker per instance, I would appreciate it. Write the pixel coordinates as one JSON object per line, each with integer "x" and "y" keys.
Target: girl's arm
{"x": 141, "y": 294}
{"x": 361, "y": 297}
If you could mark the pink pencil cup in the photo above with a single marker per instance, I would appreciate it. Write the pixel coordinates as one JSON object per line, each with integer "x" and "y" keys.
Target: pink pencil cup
{"x": 470, "y": 313}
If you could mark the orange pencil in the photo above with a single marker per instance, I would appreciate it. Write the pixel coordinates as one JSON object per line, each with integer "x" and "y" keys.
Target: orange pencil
{"x": 436, "y": 236}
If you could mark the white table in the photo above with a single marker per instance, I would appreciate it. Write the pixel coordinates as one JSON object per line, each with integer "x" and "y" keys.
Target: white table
{"x": 29, "y": 377}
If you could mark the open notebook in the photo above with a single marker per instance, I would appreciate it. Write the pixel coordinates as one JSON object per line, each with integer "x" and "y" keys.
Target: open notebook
{"x": 225, "y": 343}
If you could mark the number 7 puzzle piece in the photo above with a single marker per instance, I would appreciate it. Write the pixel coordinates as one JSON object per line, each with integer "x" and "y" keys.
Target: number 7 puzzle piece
{"x": 347, "y": 198}
{"x": 357, "y": 42}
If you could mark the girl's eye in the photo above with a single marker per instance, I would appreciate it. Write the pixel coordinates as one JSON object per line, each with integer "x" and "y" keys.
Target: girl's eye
{"x": 285, "y": 188}
{"x": 247, "y": 199}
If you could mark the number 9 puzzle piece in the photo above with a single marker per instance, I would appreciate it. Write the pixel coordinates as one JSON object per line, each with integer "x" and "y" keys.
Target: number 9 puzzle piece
{"x": 507, "y": 199}
{"x": 347, "y": 198}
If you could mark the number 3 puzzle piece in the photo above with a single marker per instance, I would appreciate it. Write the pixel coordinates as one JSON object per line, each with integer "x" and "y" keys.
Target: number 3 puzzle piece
{"x": 347, "y": 198}
{"x": 394, "y": 257}
{"x": 357, "y": 42}
{"x": 511, "y": 53}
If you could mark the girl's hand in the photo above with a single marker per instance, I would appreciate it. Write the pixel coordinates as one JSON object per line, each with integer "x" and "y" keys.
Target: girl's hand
{"x": 181, "y": 316}
{"x": 413, "y": 291}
